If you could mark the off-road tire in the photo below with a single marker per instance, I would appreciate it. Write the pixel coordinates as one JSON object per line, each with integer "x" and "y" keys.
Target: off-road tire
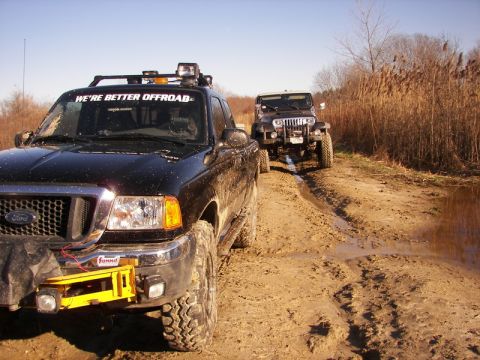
{"x": 325, "y": 152}
{"x": 189, "y": 321}
{"x": 264, "y": 161}
{"x": 248, "y": 234}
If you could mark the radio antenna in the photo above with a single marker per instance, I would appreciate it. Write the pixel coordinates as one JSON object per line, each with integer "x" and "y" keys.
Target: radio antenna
{"x": 23, "y": 86}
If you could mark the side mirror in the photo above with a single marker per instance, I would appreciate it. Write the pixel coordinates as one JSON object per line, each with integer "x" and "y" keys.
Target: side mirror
{"x": 235, "y": 138}
{"x": 23, "y": 137}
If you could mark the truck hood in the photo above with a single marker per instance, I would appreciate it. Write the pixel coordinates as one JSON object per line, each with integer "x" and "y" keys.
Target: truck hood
{"x": 129, "y": 169}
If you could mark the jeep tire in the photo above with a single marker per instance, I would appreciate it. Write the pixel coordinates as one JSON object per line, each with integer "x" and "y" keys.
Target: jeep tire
{"x": 248, "y": 234}
{"x": 325, "y": 151}
{"x": 189, "y": 321}
{"x": 264, "y": 161}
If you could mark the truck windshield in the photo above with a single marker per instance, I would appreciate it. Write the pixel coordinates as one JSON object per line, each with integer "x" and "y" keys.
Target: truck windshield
{"x": 286, "y": 101}
{"x": 170, "y": 114}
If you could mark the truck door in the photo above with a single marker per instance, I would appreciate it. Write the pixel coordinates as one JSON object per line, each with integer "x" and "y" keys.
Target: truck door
{"x": 242, "y": 172}
{"x": 226, "y": 165}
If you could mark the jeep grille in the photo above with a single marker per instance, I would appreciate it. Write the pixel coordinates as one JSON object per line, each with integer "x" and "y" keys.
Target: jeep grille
{"x": 295, "y": 127}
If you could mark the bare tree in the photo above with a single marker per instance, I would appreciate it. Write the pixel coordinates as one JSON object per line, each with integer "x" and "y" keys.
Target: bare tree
{"x": 333, "y": 77}
{"x": 368, "y": 47}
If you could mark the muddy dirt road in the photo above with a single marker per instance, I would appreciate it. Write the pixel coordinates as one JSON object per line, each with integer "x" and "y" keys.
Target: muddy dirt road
{"x": 345, "y": 267}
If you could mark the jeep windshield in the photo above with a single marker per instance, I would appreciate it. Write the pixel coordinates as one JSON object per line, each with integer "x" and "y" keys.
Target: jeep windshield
{"x": 286, "y": 102}
{"x": 173, "y": 115}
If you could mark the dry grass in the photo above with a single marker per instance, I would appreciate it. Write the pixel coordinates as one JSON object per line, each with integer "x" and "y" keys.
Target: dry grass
{"x": 17, "y": 114}
{"x": 243, "y": 108}
{"x": 425, "y": 116}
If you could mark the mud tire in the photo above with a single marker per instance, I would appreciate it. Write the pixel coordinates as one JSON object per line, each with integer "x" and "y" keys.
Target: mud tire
{"x": 248, "y": 234}
{"x": 189, "y": 321}
{"x": 264, "y": 161}
{"x": 325, "y": 152}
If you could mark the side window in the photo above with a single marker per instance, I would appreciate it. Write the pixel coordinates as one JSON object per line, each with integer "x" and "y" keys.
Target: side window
{"x": 218, "y": 118}
{"x": 228, "y": 115}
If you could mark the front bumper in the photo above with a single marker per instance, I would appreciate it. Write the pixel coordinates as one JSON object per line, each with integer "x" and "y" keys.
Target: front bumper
{"x": 287, "y": 141}
{"x": 169, "y": 262}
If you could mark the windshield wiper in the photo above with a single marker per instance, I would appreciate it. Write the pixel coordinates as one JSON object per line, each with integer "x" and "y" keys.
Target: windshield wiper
{"x": 139, "y": 136}
{"x": 60, "y": 138}
{"x": 274, "y": 108}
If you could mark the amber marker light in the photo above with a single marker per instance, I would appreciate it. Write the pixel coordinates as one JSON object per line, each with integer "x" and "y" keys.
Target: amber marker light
{"x": 172, "y": 215}
{"x": 161, "y": 80}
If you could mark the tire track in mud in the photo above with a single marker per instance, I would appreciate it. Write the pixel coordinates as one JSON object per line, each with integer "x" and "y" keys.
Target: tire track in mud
{"x": 391, "y": 301}
{"x": 364, "y": 296}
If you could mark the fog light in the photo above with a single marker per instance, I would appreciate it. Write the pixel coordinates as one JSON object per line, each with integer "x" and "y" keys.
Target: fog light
{"x": 154, "y": 287}
{"x": 317, "y": 132}
{"x": 273, "y": 135}
{"x": 48, "y": 301}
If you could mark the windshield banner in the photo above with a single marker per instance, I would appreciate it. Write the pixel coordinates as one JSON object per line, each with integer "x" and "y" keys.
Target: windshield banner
{"x": 135, "y": 97}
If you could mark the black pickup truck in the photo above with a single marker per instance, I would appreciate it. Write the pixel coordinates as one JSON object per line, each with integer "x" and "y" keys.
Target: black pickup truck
{"x": 124, "y": 197}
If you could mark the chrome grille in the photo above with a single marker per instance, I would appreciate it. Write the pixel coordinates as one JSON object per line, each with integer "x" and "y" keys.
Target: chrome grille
{"x": 71, "y": 214}
{"x": 292, "y": 122}
{"x": 295, "y": 127}
{"x": 52, "y": 215}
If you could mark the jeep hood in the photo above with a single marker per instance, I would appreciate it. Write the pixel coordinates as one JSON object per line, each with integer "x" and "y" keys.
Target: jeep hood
{"x": 129, "y": 169}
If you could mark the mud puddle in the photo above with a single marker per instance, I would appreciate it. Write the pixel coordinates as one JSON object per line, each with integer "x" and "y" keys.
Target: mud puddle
{"x": 354, "y": 246}
{"x": 455, "y": 238}
{"x": 457, "y": 234}
{"x": 357, "y": 246}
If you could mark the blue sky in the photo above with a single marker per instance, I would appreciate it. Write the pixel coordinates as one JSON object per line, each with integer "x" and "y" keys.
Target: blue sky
{"x": 248, "y": 46}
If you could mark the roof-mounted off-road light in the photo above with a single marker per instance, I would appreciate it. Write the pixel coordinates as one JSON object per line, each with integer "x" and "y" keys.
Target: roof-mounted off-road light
{"x": 188, "y": 70}
{"x": 150, "y": 72}
{"x": 208, "y": 79}
{"x": 48, "y": 300}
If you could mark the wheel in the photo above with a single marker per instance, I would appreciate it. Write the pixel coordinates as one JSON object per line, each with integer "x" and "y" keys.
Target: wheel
{"x": 325, "y": 152}
{"x": 264, "y": 161}
{"x": 248, "y": 233}
{"x": 189, "y": 321}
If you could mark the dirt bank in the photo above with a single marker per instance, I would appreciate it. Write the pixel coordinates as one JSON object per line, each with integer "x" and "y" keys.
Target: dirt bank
{"x": 341, "y": 269}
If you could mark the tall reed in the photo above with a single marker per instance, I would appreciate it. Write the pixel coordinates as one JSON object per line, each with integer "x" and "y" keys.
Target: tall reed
{"x": 425, "y": 116}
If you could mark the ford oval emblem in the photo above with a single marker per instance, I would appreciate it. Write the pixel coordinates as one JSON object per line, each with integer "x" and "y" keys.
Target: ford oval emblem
{"x": 21, "y": 217}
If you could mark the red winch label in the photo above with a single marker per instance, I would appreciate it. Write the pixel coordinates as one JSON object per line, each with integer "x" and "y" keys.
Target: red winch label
{"x": 103, "y": 261}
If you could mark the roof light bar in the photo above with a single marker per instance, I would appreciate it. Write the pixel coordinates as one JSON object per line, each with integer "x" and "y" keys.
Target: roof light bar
{"x": 187, "y": 74}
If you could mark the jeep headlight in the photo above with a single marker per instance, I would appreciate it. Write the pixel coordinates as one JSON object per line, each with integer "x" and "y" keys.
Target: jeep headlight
{"x": 311, "y": 121}
{"x": 145, "y": 213}
{"x": 277, "y": 122}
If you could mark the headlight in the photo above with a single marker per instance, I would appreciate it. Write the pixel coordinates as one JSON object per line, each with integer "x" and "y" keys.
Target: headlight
{"x": 311, "y": 121}
{"x": 277, "y": 122}
{"x": 144, "y": 212}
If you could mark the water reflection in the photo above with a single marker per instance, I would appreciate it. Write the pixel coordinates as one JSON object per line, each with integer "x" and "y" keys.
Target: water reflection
{"x": 457, "y": 235}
